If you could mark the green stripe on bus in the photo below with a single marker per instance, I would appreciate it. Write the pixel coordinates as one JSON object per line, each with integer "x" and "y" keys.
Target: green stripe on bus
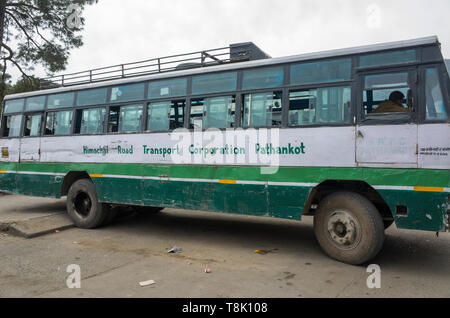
{"x": 373, "y": 176}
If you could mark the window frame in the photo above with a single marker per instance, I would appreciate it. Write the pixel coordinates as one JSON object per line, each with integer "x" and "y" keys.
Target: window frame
{"x": 152, "y": 99}
{"x": 422, "y": 87}
{"x": 3, "y": 123}
{"x": 74, "y": 92}
{"x": 322, "y": 60}
{"x": 32, "y": 113}
{"x": 412, "y": 83}
{"x": 148, "y": 102}
{"x": 108, "y": 94}
{"x": 120, "y": 105}
{"x": 335, "y": 85}
{"x": 72, "y": 124}
{"x": 259, "y": 68}
{"x": 105, "y": 127}
{"x": 117, "y": 103}
{"x": 215, "y": 95}
{"x": 417, "y": 50}
{"x": 261, "y": 91}
{"x": 238, "y": 73}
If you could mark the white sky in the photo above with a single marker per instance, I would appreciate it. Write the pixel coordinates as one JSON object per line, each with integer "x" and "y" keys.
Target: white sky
{"x": 119, "y": 31}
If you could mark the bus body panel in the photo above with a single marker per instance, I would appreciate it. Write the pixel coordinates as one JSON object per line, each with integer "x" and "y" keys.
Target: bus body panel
{"x": 423, "y": 193}
{"x": 434, "y": 146}
{"x": 30, "y": 149}
{"x": 387, "y": 145}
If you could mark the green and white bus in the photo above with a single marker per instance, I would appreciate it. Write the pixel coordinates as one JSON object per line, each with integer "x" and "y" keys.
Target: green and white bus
{"x": 274, "y": 137}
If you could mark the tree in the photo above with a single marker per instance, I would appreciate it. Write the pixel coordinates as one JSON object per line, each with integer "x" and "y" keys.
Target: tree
{"x": 39, "y": 32}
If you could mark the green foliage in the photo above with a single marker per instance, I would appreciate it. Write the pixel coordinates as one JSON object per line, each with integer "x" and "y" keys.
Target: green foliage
{"x": 39, "y": 27}
{"x": 36, "y": 32}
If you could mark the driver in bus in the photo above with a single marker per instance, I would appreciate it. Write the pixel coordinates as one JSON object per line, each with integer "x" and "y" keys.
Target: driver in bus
{"x": 393, "y": 105}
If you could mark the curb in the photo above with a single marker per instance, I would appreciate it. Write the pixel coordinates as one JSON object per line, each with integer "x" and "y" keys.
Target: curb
{"x": 37, "y": 226}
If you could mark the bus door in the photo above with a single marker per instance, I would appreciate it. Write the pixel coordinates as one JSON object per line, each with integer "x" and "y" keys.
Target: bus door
{"x": 30, "y": 143}
{"x": 386, "y": 132}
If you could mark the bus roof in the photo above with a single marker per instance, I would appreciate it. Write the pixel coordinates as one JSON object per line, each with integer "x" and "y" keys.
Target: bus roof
{"x": 431, "y": 40}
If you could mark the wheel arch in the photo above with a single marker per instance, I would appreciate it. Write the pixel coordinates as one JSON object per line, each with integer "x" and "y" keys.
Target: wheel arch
{"x": 71, "y": 178}
{"x": 328, "y": 187}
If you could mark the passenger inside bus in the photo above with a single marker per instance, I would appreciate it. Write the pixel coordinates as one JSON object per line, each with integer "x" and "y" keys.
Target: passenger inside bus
{"x": 393, "y": 105}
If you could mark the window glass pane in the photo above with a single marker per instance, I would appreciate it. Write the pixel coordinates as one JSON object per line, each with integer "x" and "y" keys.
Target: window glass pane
{"x": 326, "y": 71}
{"x": 169, "y": 88}
{"x": 262, "y": 110}
{"x": 267, "y": 77}
{"x": 60, "y": 100}
{"x": 59, "y": 123}
{"x": 92, "y": 121}
{"x": 386, "y": 93}
{"x": 14, "y": 106}
{"x": 196, "y": 119}
{"x": 434, "y": 100}
{"x": 35, "y": 103}
{"x": 12, "y": 126}
{"x": 214, "y": 83}
{"x": 320, "y": 106}
{"x": 33, "y": 125}
{"x": 127, "y": 93}
{"x": 215, "y": 112}
{"x": 386, "y": 80}
{"x": 388, "y": 58}
{"x": 163, "y": 116}
{"x": 130, "y": 118}
{"x": 373, "y": 99}
{"x": 92, "y": 97}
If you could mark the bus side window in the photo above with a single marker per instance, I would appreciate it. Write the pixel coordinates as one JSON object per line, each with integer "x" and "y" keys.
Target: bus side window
{"x": 213, "y": 112}
{"x": 11, "y": 125}
{"x": 32, "y": 126}
{"x": 164, "y": 116}
{"x": 262, "y": 110}
{"x": 435, "y": 105}
{"x": 330, "y": 105}
{"x": 125, "y": 119}
{"x": 379, "y": 90}
{"x": 90, "y": 121}
{"x": 58, "y": 123}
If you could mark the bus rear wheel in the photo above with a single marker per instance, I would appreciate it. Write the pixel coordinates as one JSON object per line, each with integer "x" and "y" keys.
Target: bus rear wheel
{"x": 349, "y": 228}
{"x": 83, "y": 206}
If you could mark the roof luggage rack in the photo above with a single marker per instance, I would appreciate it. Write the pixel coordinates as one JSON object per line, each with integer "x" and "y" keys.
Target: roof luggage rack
{"x": 238, "y": 52}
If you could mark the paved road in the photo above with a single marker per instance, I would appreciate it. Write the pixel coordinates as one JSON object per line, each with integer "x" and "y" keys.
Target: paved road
{"x": 114, "y": 259}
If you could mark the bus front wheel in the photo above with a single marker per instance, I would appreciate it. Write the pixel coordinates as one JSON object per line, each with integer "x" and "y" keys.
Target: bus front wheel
{"x": 349, "y": 228}
{"x": 83, "y": 206}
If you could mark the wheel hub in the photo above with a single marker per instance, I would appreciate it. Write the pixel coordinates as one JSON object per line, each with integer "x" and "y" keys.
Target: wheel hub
{"x": 82, "y": 204}
{"x": 343, "y": 229}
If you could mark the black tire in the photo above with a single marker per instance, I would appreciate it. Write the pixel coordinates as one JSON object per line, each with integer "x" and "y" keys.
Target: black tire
{"x": 83, "y": 206}
{"x": 349, "y": 228}
{"x": 111, "y": 214}
{"x": 387, "y": 223}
